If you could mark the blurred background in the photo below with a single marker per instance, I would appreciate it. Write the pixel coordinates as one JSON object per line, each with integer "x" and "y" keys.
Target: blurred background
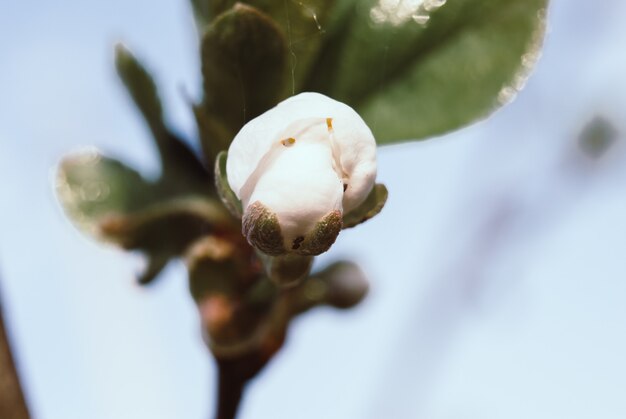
{"x": 498, "y": 267}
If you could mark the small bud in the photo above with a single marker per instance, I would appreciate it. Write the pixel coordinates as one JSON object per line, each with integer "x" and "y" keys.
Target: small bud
{"x": 287, "y": 270}
{"x": 297, "y": 169}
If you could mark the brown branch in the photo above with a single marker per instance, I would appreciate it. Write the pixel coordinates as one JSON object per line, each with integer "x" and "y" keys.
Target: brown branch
{"x": 12, "y": 403}
{"x": 234, "y": 375}
{"x": 230, "y": 391}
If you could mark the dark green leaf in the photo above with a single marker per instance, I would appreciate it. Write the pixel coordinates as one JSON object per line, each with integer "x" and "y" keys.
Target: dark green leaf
{"x": 214, "y": 135}
{"x": 168, "y": 226}
{"x": 140, "y": 86}
{"x": 227, "y": 195}
{"x": 244, "y": 65}
{"x": 176, "y": 157}
{"x": 412, "y": 80}
{"x": 303, "y": 23}
{"x": 201, "y": 12}
{"x": 156, "y": 263}
{"x": 372, "y": 205}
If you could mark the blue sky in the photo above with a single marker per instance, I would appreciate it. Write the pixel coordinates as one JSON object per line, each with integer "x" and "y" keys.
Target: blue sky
{"x": 497, "y": 268}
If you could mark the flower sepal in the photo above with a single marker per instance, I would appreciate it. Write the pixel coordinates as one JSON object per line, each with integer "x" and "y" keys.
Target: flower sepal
{"x": 372, "y": 205}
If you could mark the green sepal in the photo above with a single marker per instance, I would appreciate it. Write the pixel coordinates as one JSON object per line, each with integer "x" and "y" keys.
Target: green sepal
{"x": 372, "y": 205}
{"x": 226, "y": 194}
{"x": 261, "y": 228}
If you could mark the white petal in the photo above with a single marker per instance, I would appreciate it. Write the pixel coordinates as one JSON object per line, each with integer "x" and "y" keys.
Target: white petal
{"x": 354, "y": 142}
{"x": 299, "y": 185}
{"x": 357, "y": 154}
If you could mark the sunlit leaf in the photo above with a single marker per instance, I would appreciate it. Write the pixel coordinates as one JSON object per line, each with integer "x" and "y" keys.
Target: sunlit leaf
{"x": 90, "y": 186}
{"x": 418, "y": 69}
{"x": 109, "y": 201}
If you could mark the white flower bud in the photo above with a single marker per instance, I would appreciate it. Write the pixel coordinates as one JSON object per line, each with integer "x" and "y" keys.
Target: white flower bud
{"x": 302, "y": 165}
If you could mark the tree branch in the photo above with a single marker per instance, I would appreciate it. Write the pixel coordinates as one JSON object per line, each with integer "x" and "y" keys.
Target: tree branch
{"x": 12, "y": 403}
{"x": 230, "y": 391}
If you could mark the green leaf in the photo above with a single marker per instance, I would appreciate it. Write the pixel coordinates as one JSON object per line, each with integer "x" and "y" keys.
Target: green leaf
{"x": 228, "y": 197}
{"x": 111, "y": 202}
{"x": 176, "y": 157}
{"x": 303, "y": 23}
{"x": 140, "y": 86}
{"x": 90, "y": 186}
{"x": 372, "y": 205}
{"x": 412, "y": 80}
{"x": 168, "y": 226}
{"x": 215, "y": 136}
{"x": 156, "y": 263}
{"x": 201, "y": 12}
{"x": 244, "y": 65}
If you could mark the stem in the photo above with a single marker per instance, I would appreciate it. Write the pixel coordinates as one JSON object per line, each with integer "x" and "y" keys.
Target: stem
{"x": 230, "y": 391}
{"x": 12, "y": 403}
